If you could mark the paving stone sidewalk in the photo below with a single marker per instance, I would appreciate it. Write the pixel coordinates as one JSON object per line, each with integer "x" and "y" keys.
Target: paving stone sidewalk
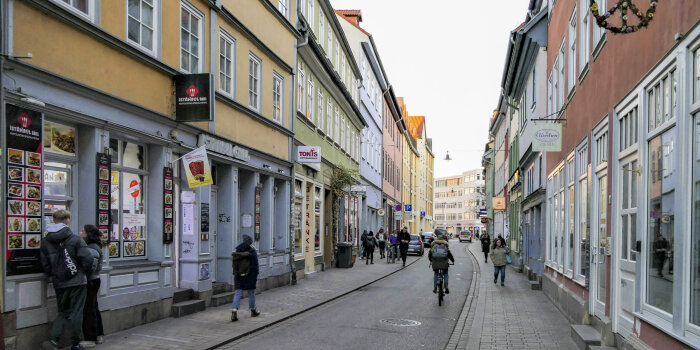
{"x": 509, "y": 317}
{"x": 212, "y": 327}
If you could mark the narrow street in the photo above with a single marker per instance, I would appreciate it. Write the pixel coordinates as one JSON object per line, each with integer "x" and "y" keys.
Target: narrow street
{"x": 399, "y": 312}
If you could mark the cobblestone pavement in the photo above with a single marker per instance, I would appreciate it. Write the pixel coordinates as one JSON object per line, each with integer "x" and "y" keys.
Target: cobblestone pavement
{"x": 213, "y": 327}
{"x": 509, "y": 317}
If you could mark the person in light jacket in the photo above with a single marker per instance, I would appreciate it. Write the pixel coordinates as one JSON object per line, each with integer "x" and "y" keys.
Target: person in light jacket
{"x": 498, "y": 257}
{"x": 249, "y": 282}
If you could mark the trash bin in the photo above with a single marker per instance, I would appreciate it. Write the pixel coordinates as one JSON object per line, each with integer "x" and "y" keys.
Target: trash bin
{"x": 344, "y": 258}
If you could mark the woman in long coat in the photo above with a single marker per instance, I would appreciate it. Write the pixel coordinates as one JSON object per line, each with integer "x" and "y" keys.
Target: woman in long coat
{"x": 485, "y": 245}
{"x": 248, "y": 282}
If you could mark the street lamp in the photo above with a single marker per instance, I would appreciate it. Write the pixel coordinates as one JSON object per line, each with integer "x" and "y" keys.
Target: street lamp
{"x": 447, "y": 157}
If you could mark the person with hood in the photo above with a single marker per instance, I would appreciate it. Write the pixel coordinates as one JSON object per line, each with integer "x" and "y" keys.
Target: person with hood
{"x": 65, "y": 257}
{"x": 381, "y": 240}
{"x": 498, "y": 257}
{"x": 92, "y": 319}
{"x": 404, "y": 239}
{"x": 247, "y": 281}
{"x": 393, "y": 246}
{"x": 438, "y": 256}
{"x": 363, "y": 251}
{"x": 370, "y": 242}
{"x": 485, "y": 245}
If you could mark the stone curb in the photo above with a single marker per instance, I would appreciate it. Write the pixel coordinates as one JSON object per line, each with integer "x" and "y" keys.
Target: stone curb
{"x": 458, "y": 332}
{"x": 312, "y": 307}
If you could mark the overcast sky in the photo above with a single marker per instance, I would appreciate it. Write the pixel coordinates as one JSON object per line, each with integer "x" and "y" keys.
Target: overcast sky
{"x": 446, "y": 58}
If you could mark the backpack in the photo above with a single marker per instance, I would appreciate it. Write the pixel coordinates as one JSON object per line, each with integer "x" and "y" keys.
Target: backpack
{"x": 241, "y": 264}
{"x": 381, "y": 237}
{"x": 64, "y": 267}
{"x": 369, "y": 242}
{"x": 440, "y": 252}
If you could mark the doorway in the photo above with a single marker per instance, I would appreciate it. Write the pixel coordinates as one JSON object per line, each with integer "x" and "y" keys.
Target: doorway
{"x": 213, "y": 232}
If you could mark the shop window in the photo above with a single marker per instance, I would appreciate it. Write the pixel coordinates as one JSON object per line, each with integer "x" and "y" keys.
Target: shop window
{"x": 128, "y": 200}
{"x": 298, "y": 223}
{"x": 695, "y": 240}
{"x": 317, "y": 221}
{"x": 60, "y": 162}
{"x": 661, "y": 219}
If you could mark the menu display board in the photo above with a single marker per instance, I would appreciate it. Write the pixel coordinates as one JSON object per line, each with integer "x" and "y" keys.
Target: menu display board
{"x": 204, "y": 219}
{"x": 104, "y": 220}
{"x": 168, "y": 205}
{"x": 24, "y": 166}
{"x": 59, "y": 138}
{"x": 257, "y": 212}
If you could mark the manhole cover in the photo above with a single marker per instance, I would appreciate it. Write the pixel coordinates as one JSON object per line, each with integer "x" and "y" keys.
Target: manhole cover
{"x": 400, "y": 323}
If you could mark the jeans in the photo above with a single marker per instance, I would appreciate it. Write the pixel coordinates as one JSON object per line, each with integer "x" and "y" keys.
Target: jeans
{"x": 446, "y": 279}
{"x": 237, "y": 299}
{"x": 70, "y": 302}
{"x": 502, "y": 269}
{"x": 404, "y": 251}
{"x": 92, "y": 320}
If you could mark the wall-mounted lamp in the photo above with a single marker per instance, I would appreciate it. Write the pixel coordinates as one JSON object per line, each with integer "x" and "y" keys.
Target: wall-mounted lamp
{"x": 447, "y": 157}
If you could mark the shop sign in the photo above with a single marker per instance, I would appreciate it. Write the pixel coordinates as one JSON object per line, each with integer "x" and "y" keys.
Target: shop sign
{"x": 204, "y": 221}
{"x": 193, "y": 97}
{"x": 167, "y": 205}
{"x": 104, "y": 196}
{"x": 309, "y": 237}
{"x": 499, "y": 203}
{"x": 546, "y": 137}
{"x": 134, "y": 188}
{"x": 358, "y": 190}
{"x": 484, "y": 220}
{"x": 197, "y": 168}
{"x": 309, "y": 154}
{"x": 223, "y": 147}
{"x": 24, "y": 190}
{"x": 257, "y": 211}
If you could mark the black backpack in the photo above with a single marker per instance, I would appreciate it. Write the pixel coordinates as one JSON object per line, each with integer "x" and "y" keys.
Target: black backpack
{"x": 241, "y": 264}
{"x": 369, "y": 242}
{"x": 64, "y": 267}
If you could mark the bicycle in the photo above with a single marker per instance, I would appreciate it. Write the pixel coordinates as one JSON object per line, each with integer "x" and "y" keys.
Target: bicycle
{"x": 441, "y": 291}
{"x": 391, "y": 253}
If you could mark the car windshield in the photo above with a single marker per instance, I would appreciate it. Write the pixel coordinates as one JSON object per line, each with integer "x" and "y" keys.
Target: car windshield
{"x": 427, "y": 234}
{"x": 414, "y": 238}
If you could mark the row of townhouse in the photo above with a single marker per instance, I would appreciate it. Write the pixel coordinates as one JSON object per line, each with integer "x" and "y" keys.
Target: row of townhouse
{"x": 608, "y": 222}
{"x": 93, "y": 97}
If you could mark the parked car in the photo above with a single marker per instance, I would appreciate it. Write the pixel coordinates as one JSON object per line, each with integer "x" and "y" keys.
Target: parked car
{"x": 427, "y": 238}
{"x": 465, "y": 236}
{"x": 415, "y": 246}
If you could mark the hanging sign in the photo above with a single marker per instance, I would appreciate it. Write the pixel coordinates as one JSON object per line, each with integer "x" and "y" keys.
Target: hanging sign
{"x": 204, "y": 221}
{"x": 499, "y": 203}
{"x": 546, "y": 137}
{"x": 257, "y": 212}
{"x": 167, "y": 205}
{"x": 197, "y": 168}
{"x": 309, "y": 154}
{"x": 104, "y": 216}
{"x": 23, "y": 164}
{"x": 193, "y": 97}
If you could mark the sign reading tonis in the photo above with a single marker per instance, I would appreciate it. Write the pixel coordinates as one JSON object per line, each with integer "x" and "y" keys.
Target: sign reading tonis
{"x": 546, "y": 137}
{"x": 309, "y": 154}
{"x": 193, "y": 97}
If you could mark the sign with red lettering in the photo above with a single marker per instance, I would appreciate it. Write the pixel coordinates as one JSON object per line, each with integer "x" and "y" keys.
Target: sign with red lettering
{"x": 309, "y": 154}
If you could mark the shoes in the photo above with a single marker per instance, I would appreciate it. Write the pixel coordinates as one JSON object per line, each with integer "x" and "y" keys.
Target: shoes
{"x": 404, "y": 264}
{"x": 87, "y": 344}
{"x": 372, "y": 262}
{"x": 434, "y": 290}
{"x": 100, "y": 340}
{"x": 447, "y": 290}
{"x": 234, "y": 315}
{"x": 367, "y": 262}
{"x": 49, "y": 345}
{"x": 254, "y": 313}
{"x": 502, "y": 284}
{"x": 494, "y": 281}
{"x": 77, "y": 347}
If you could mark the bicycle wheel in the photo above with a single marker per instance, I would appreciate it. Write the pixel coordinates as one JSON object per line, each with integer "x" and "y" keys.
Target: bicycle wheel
{"x": 440, "y": 291}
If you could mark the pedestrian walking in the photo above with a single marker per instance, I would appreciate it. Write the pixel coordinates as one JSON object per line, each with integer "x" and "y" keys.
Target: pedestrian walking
{"x": 370, "y": 243}
{"x": 363, "y": 237}
{"x": 485, "y": 245}
{"x": 660, "y": 249}
{"x": 393, "y": 246}
{"x": 245, "y": 269}
{"x": 498, "y": 257}
{"x": 92, "y": 319}
{"x": 404, "y": 238}
{"x": 65, "y": 257}
{"x": 499, "y": 238}
{"x": 381, "y": 241}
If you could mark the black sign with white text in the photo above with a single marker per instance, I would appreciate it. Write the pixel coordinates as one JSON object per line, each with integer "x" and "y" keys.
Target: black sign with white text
{"x": 193, "y": 97}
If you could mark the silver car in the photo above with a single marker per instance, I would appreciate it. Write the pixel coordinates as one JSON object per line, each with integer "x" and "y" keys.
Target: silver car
{"x": 415, "y": 246}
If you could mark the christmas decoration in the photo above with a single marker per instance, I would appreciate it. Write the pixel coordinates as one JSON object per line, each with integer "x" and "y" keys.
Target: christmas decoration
{"x": 624, "y": 7}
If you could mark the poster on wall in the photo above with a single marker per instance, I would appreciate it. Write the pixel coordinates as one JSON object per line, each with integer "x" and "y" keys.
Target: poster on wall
{"x": 204, "y": 221}
{"x": 197, "y": 168}
{"x": 59, "y": 138}
{"x": 104, "y": 171}
{"x": 257, "y": 213}
{"x": 24, "y": 166}
{"x": 167, "y": 205}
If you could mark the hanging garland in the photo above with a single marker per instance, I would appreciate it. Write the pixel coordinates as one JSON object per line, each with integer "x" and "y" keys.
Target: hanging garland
{"x": 624, "y": 6}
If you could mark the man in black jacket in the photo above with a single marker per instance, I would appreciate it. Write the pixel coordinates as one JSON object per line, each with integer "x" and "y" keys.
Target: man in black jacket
{"x": 70, "y": 293}
{"x": 404, "y": 238}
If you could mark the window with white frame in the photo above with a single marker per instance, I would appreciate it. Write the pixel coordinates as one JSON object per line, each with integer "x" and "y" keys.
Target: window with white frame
{"x": 329, "y": 116}
{"x": 320, "y": 117}
{"x": 562, "y": 219}
{"x": 226, "y": 57}
{"x": 572, "y": 52}
{"x": 342, "y": 132}
{"x": 601, "y": 149}
{"x": 662, "y": 100}
{"x": 336, "y": 126}
{"x": 628, "y": 129}
{"x": 310, "y": 14}
{"x": 141, "y": 23}
{"x": 583, "y": 239}
{"x": 599, "y": 32}
{"x": 254, "y": 75}
{"x": 571, "y": 228}
{"x": 533, "y": 87}
{"x": 550, "y": 93}
{"x": 329, "y": 38}
{"x": 310, "y": 97}
{"x": 283, "y": 7}
{"x": 277, "y": 97}
{"x": 560, "y": 79}
{"x": 336, "y": 63}
{"x": 585, "y": 29}
{"x": 321, "y": 29}
{"x": 301, "y": 96}
{"x": 191, "y": 24}
{"x": 342, "y": 68}
{"x": 84, "y": 8}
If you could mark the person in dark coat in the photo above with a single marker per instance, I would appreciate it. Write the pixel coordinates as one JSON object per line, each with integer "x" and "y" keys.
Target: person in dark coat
{"x": 369, "y": 244}
{"x": 485, "y": 245}
{"x": 71, "y": 293}
{"x": 404, "y": 239}
{"x": 363, "y": 251}
{"x": 249, "y": 282}
{"x": 92, "y": 319}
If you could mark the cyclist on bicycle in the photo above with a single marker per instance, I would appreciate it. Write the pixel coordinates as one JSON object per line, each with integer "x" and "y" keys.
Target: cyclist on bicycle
{"x": 438, "y": 256}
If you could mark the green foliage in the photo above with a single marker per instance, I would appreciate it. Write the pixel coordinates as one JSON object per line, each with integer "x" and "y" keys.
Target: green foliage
{"x": 341, "y": 178}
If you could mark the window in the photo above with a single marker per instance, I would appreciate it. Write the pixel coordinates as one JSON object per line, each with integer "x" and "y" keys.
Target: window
{"x": 320, "y": 117}
{"x": 58, "y": 173}
{"x": 310, "y": 98}
{"x": 128, "y": 206}
{"x": 82, "y": 7}
{"x": 562, "y": 76}
{"x": 572, "y": 52}
{"x": 301, "y": 96}
{"x": 190, "y": 39}
{"x": 342, "y": 68}
{"x": 277, "y": 97}
{"x": 329, "y": 37}
{"x": 254, "y": 72}
{"x": 695, "y": 240}
{"x": 628, "y": 129}
{"x": 141, "y": 19}
{"x": 337, "y": 53}
{"x": 321, "y": 30}
{"x": 336, "y": 126}
{"x": 582, "y": 248}
{"x": 329, "y": 117}
{"x": 572, "y": 214}
{"x": 601, "y": 149}
{"x": 310, "y": 14}
{"x": 662, "y": 100}
{"x": 584, "y": 48}
{"x": 550, "y": 93}
{"x": 598, "y": 32}
{"x": 283, "y": 7}
{"x": 628, "y": 213}
{"x": 533, "y": 88}
{"x": 226, "y": 47}
{"x": 298, "y": 223}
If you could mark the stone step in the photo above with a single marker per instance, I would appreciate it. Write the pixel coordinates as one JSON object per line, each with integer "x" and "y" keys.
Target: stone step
{"x": 585, "y": 336}
{"x": 595, "y": 347}
{"x": 220, "y": 287}
{"x": 535, "y": 285}
{"x": 187, "y": 307}
{"x": 182, "y": 294}
{"x": 221, "y": 299}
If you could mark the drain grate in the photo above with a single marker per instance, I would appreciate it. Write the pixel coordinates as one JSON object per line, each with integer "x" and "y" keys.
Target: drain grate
{"x": 400, "y": 322}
